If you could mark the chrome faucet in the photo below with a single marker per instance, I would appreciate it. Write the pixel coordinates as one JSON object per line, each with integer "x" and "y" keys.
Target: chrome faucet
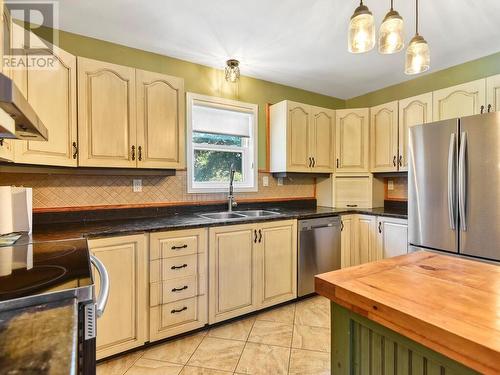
{"x": 231, "y": 203}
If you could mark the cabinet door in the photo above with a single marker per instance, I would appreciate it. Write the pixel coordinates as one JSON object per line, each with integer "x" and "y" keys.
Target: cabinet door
{"x": 106, "y": 114}
{"x": 392, "y": 237}
{"x": 124, "y": 323}
{"x": 321, "y": 133}
{"x": 366, "y": 238}
{"x": 19, "y": 74}
{"x": 351, "y": 140}
{"x": 347, "y": 241}
{"x": 277, "y": 262}
{"x": 458, "y": 101}
{"x": 493, "y": 93}
{"x": 6, "y": 150}
{"x": 231, "y": 272}
{"x": 412, "y": 111}
{"x": 384, "y": 137}
{"x": 52, "y": 93}
{"x": 160, "y": 120}
{"x": 298, "y": 134}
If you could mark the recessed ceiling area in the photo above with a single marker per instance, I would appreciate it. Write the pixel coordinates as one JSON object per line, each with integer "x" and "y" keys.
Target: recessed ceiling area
{"x": 293, "y": 42}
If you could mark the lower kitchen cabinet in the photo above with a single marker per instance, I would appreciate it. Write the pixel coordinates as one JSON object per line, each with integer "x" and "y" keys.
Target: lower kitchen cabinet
{"x": 251, "y": 266}
{"x": 124, "y": 323}
{"x": 178, "y": 290}
{"x": 366, "y": 238}
{"x": 392, "y": 237}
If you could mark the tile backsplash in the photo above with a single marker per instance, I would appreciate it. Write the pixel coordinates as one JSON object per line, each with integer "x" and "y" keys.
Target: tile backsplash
{"x": 399, "y": 188}
{"x": 57, "y": 191}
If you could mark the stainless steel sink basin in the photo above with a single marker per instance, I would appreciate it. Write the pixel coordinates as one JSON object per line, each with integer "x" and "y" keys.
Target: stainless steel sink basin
{"x": 237, "y": 214}
{"x": 258, "y": 213}
{"x": 222, "y": 215}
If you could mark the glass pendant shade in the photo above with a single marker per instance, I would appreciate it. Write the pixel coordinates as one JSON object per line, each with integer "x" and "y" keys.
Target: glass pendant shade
{"x": 232, "y": 71}
{"x": 391, "y": 34}
{"x": 361, "y": 30}
{"x": 417, "y": 56}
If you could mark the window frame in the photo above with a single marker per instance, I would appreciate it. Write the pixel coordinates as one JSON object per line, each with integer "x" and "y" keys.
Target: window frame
{"x": 229, "y": 104}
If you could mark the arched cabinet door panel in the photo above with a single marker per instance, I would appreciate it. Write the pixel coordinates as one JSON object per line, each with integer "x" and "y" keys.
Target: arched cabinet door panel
{"x": 106, "y": 115}
{"x": 384, "y": 137}
{"x": 351, "y": 149}
{"x": 160, "y": 120}
{"x": 459, "y": 101}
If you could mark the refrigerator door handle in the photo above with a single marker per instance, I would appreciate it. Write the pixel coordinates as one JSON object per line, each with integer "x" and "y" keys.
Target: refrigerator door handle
{"x": 451, "y": 182}
{"x": 462, "y": 182}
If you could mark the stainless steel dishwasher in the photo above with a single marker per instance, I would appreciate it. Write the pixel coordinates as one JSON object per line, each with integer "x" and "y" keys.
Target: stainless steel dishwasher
{"x": 319, "y": 250}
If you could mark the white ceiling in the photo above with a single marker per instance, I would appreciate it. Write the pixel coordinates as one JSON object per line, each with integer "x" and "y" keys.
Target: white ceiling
{"x": 300, "y": 43}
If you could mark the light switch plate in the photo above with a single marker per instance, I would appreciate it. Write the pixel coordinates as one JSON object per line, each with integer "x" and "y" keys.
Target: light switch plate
{"x": 265, "y": 181}
{"x": 280, "y": 181}
{"x": 390, "y": 185}
{"x": 137, "y": 185}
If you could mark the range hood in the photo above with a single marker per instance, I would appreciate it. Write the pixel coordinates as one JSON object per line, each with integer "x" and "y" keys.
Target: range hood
{"x": 18, "y": 120}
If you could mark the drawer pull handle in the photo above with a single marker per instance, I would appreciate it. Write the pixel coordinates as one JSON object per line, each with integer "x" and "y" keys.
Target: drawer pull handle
{"x": 352, "y": 205}
{"x": 260, "y": 236}
{"x": 179, "y": 247}
{"x": 174, "y": 311}
{"x": 178, "y": 267}
{"x": 180, "y": 289}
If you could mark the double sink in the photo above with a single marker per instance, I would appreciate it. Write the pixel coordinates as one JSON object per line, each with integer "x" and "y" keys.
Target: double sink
{"x": 238, "y": 214}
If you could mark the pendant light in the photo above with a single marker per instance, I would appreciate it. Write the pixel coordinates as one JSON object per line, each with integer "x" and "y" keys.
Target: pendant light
{"x": 361, "y": 30}
{"x": 232, "y": 71}
{"x": 391, "y": 34}
{"x": 418, "y": 54}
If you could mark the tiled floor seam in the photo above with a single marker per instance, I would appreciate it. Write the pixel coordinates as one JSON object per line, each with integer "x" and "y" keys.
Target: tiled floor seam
{"x": 246, "y": 342}
{"x": 127, "y": 370}
{"x": 291, "y": 343}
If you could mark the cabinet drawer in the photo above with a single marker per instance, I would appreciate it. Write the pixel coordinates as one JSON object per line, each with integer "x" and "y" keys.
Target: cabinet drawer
{"x": 173, "y": 268}
{"x": 179, "y": 312}
{"x": 173, "y": 290}
{"x": 173, "y": 247}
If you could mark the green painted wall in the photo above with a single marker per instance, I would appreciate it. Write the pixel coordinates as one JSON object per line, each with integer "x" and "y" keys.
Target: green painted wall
{"x": 469, "y": 71}
{"x": 198, "y": 78}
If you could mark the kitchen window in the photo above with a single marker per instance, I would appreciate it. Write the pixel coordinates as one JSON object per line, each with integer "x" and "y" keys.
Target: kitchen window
{"x": 222, "y": 133}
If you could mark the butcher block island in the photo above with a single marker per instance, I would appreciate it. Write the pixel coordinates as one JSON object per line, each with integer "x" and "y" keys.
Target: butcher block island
{"x": 420, "y": 313}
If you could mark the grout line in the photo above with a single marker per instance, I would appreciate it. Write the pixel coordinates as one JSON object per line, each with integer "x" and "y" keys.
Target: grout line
{"x": 197, "y": 346}
{"x": 291, "y": 343}
{"x": 132, "y": 365}
{"x": 244, "y": 347}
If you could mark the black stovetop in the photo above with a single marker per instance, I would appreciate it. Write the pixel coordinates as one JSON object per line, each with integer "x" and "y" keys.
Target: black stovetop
{"x": 33, "y": 268}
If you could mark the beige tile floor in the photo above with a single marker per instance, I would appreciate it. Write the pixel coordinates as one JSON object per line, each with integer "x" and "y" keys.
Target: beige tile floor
{"x": 292, "y": 339}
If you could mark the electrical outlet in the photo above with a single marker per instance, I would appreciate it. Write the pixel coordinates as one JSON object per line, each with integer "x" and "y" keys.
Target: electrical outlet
{"x": 280, "y": 181}
{"x": 137, "y": 185}
{"x": 265, "y": 181}
{"x": 390, "y": 185}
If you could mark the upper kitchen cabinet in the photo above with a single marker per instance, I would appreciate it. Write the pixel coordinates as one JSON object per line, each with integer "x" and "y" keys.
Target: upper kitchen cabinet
{"x": 301, "y": 138}
{"x": 493, "y": 93}
{"x": 160, "y": 121}
{"x": 106, "y": 115}
{"x": 6, "y": 150}
{"x": 352, "y": 140}
{"x": 384, "y": 137}
{"x": 412, "y": 111}
{"x": 52, "y": 93}
{"x": 458, "y": 101}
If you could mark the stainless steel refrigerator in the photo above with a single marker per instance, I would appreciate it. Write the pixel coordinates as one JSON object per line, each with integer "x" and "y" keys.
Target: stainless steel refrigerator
{"x": 454, "y": 186}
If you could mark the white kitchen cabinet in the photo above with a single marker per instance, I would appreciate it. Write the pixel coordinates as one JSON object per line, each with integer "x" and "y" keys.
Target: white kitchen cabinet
{"x": 177, "y": 282}
{"x": 493, "y": 93}
{"x": 358, "y": 191}
{"x": 124, "y": 323}
{"x": 392, "y": 237}
{"x": 301, "y": 138}
{"x": 366, "y": 239}
{"x": 412, "y": 111}
{"x": 6, "y": 150}
{"x": 384, "y": 137}
{"x": 458, "y": 101}
{"x": 347, "y": 241}
{"x": 352, "y": 140}
{"x": 251, "y": 266}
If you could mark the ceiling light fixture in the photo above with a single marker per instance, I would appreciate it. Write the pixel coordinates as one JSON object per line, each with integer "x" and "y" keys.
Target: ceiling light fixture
{"x": 361, "y": 30}
{"x": 391, "y": 33}
{"x": 232, "y": 71}
{"x": 418, "y": 54}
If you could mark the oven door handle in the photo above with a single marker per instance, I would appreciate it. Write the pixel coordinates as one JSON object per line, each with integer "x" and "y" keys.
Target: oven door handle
{"x": 102, "y": 298}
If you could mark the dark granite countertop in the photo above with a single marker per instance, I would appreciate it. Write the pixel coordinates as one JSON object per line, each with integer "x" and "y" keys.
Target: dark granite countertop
{"x": 184, "y": 218}
{"x": 39, "y": 339}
